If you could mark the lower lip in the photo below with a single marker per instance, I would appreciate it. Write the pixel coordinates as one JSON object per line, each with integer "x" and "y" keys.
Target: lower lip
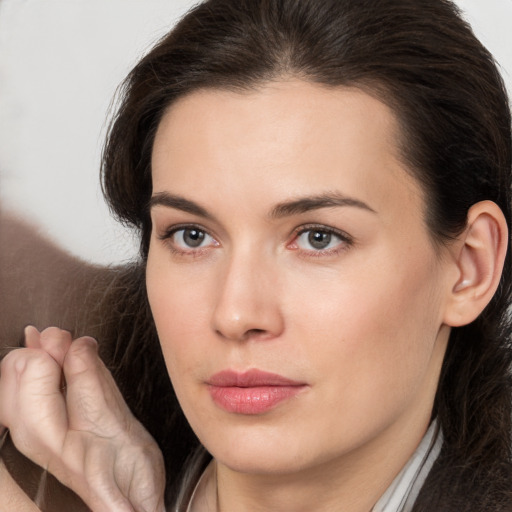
{"x": 252, "y": 400}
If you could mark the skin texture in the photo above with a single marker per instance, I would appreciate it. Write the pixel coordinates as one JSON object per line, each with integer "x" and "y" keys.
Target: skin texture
{"x": 361, "y": 323}
{"x": 256, "y": 294}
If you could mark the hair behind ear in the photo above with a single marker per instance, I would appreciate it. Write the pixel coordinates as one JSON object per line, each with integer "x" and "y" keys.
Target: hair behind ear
{"x": 473, "y": 401}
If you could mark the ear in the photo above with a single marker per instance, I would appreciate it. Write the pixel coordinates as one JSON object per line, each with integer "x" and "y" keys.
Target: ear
{"x": 479, "y": 257}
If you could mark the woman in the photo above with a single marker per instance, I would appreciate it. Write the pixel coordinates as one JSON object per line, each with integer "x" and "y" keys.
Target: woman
{"x": 323, "y": 192}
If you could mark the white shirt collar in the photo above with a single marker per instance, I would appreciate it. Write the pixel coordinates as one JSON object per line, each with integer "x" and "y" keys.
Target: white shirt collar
{"x": 404, "y": 489}
{"x": 399, "y": 496}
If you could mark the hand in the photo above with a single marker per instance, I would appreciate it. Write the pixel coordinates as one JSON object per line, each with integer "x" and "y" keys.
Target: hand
{"x": 65, "y": 412}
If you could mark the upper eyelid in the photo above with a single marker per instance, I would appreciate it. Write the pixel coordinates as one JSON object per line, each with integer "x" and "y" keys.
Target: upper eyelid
{"x": 321, "y": 227}
{"x": 170, "y": 230}
{"x": 343, "y": 235}
{"x": 164, "y": 225}
{"x": 346, "y": 241}
{"x": 167, "y": 239}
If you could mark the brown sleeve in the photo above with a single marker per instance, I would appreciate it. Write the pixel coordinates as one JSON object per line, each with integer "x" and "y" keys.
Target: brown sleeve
{"x": 40, "y": 284}
{"x": 28, "y": 488}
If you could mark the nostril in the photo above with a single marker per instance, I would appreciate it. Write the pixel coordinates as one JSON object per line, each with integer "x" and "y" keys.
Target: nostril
{"x": 255, "y": 334}
{"x": 244, "y": 336}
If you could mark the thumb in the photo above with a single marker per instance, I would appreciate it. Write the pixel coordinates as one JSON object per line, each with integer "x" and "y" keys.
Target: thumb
{"x": 56, "y": 342}
{"x": 32, "y": 337}
{"x": 94, "y": 402}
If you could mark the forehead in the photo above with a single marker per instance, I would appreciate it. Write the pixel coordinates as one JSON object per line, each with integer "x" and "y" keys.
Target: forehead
{"x": 295, "y": 135}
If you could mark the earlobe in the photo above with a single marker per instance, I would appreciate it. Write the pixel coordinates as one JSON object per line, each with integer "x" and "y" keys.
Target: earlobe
{"x": 480, "y": 259}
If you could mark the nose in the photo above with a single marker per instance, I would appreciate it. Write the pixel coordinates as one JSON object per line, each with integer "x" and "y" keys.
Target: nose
{"x": 248, "y": 301}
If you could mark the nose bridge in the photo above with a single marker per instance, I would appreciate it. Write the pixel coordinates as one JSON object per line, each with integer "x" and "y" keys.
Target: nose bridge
{"x": 247, "y": 302}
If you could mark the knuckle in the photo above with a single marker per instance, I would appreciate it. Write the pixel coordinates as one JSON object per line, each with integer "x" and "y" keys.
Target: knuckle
{"x": 22, "y": 360}
{"x": 56, "y": 342}
{"x": 36, "y": 362}
{"x": 53, "y": 336}
{"x": 84, "y": 345}
{"x": 89, "y": 340}
{"x": 82, "y": 355}
{"x": 55, "y": 332}
{"x": 9, "y": 362}
{"x": 26, "y": 375}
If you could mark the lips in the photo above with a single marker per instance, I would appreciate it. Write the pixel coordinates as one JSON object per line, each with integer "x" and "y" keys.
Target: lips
{"x": 251, "y": 392}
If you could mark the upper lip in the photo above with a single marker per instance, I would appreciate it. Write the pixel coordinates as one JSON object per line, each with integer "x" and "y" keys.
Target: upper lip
{"x": 250, "y": 378}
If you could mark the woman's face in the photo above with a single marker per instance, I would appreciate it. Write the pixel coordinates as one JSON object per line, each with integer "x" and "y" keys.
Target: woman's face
{"x": 298, "y": 297}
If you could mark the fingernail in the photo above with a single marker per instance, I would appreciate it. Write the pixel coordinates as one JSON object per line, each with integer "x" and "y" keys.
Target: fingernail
{"x": 91, "y": 341}
{"x": 30, "y": 330}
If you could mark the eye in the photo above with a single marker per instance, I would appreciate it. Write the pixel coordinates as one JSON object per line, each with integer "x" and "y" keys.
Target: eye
{"x": 188, "y": 239}
{"x": 321, "y": 239}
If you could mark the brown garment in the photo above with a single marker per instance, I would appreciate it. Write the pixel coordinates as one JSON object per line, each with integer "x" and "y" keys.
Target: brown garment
{"x": 42, "y": 285}
{"x": 47, "y": 493}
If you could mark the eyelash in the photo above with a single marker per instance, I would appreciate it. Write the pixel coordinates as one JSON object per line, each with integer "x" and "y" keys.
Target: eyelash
{"x": 167, "y": 236}
{"x": 345, "y": 240}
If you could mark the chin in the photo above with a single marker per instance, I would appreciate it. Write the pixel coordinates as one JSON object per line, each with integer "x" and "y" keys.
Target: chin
{"x": 258, "y": 452}
{"x": 262, "y": 463}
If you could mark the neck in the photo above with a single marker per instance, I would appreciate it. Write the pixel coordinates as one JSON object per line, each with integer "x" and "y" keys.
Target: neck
{"x": 352, "y": 483}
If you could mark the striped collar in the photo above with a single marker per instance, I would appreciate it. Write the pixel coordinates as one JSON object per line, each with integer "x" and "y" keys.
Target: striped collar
{"x": 399, "y": 496}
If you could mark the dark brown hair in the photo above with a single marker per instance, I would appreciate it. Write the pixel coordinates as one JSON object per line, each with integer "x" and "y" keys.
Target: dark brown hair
{"x": 420, "y": 58}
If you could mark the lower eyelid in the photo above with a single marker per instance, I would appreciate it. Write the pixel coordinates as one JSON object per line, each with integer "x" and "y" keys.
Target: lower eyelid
{"x": 167, "y": 236}
{"x": 172, "y": 238}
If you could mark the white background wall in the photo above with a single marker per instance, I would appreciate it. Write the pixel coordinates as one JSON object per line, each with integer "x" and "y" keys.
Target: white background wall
{"x": 60, "y": 63}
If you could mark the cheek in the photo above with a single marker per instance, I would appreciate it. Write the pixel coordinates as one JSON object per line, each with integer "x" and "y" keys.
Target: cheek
{"x": 179, "y": 303}
{"x": 373, "y": 334}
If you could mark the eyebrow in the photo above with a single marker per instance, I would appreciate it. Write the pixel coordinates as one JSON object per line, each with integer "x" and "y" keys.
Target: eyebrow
{"x": 284, "y": 209}
{"x": 178, "y": 203}
{"x": 306, "y": 204}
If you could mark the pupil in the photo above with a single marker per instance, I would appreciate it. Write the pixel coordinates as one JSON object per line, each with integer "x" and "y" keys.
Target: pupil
{"x": 193, "y": 237}
{"x": 319, "y": 240}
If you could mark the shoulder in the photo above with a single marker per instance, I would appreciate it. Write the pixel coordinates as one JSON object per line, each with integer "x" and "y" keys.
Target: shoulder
{"x": 455, "y": 486}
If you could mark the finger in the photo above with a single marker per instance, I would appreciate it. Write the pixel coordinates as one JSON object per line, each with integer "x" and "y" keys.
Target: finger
{"x": 31, "y": 404}
{"x": 32, "y": 337}
{"x": 56, "y": 342}
{"x": 119, "y": 454}
{"x": 93, "y": 399}
{"x": 8, "y": 386}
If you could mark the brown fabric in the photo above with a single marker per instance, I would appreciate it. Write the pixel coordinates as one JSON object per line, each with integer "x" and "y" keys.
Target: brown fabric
{"x": 41, "y": 487}
{"x": 41, "y": 284}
